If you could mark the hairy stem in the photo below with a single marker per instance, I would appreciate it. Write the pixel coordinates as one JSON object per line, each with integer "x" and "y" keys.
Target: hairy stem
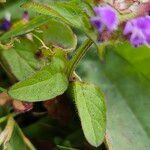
{"x": 81, "y": 51}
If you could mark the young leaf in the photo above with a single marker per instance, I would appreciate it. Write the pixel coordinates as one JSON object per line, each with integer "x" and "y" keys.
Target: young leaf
{"x": 47, "y": 83}
{"x": 21, "y": 59}
{"x": 25, "y": 28}
{"x": 92, "y": 111}
{"x": 59, "y": 35}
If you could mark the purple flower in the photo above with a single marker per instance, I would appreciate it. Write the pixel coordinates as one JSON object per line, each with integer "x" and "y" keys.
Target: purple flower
{"x": 106, "y": 17}
{"x": 5, "y": 25}
{"x": 138, "y": 30}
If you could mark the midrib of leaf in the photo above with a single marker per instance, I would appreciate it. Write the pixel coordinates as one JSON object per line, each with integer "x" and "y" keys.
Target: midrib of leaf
{"x": 92, "y": 121}
{"x": 89, "y": 115}
{"x": 38, "y": 82}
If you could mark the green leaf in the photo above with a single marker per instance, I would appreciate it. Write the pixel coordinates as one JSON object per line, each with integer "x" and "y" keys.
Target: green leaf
{"x": 16, "y": 140}
{"x": 69, "y": 13}
{"x": 136, "y": 57}
{"x": 12, "y": 137}
{"x": 25, "y": 28}
{"x": 19, "y": 140}
{"x": 47, "y": 83}
{"x": 21, "y": 59}
{"x": 59, "y": 35}
{"x": 92, "y": 112}
{"x": 127, "y": 92}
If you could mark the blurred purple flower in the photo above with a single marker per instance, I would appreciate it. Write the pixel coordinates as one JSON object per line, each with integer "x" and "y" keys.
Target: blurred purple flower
{"x": 138, "y": 30}
{"x": 5, "y": 25}
{"x": 106, "y": 17}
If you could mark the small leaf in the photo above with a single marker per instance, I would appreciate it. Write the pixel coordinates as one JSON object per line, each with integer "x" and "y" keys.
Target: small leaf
{"x": 92, "y": 112}
{"x": 47, "y": 83}
{"x": 25, "y": 28}
{"x": 59, "y": 35}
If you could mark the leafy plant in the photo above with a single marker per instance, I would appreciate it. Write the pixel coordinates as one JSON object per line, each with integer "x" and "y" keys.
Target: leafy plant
{"x": 43, "y": 98}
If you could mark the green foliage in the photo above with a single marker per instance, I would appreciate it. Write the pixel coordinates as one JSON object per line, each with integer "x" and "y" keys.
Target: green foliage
{"x": 12, "y": 137}
{"x": 47, "y": 83}
{"x": 39, "y": 53}
{"x": 137, "y": 58}
{"x": 21, "y": 59}
{"x": 127, "y": 93}
{"x": 59, "y": 35}
{"x": 67, "y": 12}
{"x": 22, "y": 28}
{"x": 90, "y": 104}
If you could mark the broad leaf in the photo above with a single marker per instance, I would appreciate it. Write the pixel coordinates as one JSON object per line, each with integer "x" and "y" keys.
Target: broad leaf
{"x": 92, "y": 112}
{"x": 59, "y": 35}
{"x": 47, "y": 83}
{"x": 25, "y": 28}
{"x": 127, "y": 93}
{"x": 21, "y": 59}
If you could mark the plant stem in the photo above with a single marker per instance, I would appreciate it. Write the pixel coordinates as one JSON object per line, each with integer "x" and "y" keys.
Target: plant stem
{"x": 81, "y": 51}
{"x": 43, "y": 44}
